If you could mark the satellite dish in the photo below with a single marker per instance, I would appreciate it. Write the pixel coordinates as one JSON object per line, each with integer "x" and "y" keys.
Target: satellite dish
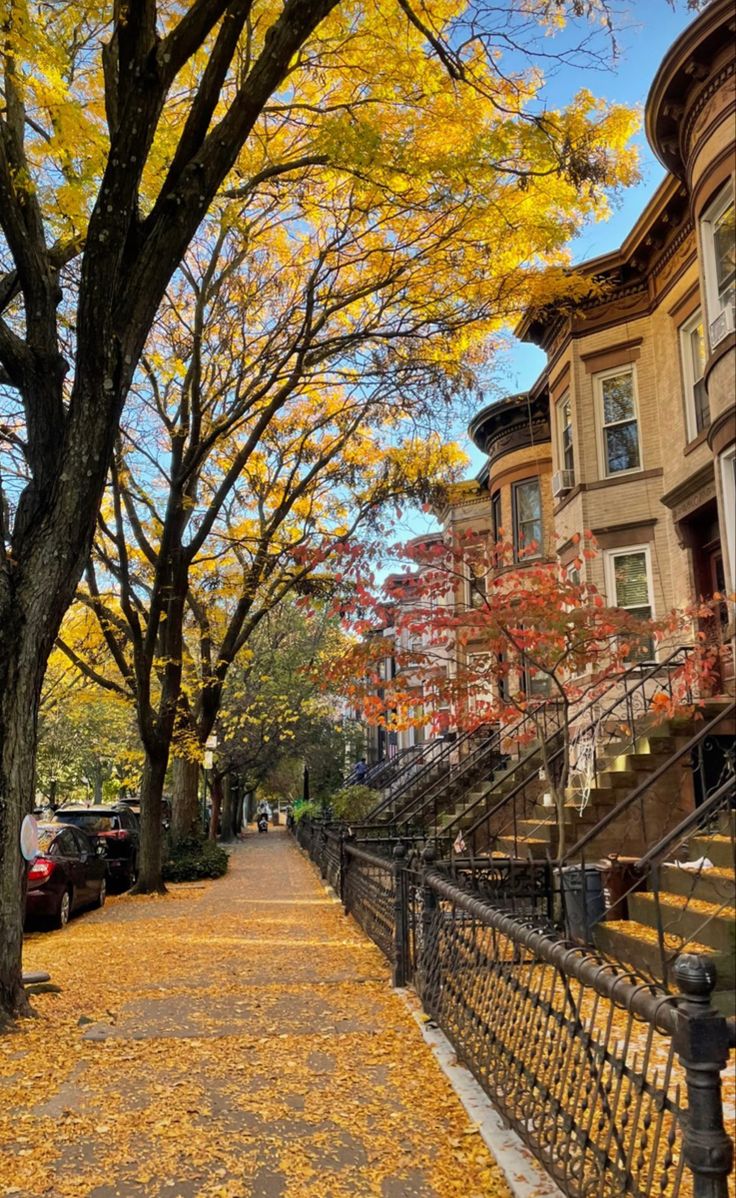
{"x": 29, "y": 838}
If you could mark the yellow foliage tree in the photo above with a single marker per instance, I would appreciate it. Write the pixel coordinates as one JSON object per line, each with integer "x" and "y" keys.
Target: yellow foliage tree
{"x": 120, "y": 125}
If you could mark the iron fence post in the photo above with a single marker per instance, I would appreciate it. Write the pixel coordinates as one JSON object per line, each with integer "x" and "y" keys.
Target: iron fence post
{"x": 401, "y": 917}
{"x": 323, "y": 850}
{"x": 343, "y": 865}
{"x": 702, "y": 1042}
{"x": 428, "y": 908}
{"x": 345, "y": 875}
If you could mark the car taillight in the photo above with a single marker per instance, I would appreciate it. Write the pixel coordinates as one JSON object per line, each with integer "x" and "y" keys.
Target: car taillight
{"x": 40, "y": 870}
{"x": 119, "y": 835}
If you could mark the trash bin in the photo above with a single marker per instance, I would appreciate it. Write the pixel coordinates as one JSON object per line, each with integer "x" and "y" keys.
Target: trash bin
{"x": 583, "y": 901}
{"x": 275, "y": 818}
{"x": 620, "y": 879}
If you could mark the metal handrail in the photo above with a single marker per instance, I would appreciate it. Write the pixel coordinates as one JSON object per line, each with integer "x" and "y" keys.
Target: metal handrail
{"x": 694, "y": 820}
{"x": 411, "y": 810}
{"x": 650, "y": 780}
{"x": 655, "y": 668}
{"x": 449, "y": 748}
{"x": 387, "y": 764}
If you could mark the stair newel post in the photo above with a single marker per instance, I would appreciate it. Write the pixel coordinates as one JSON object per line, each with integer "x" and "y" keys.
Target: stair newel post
{"x": 702, "y": 1041}
{"x": 401, "y": 916}
{"x": 425, "y": 954}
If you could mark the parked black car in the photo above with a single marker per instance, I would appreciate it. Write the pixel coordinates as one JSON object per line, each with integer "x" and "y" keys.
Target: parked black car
{"x": 68, "y": 873}
{"x": 116, "y": 828}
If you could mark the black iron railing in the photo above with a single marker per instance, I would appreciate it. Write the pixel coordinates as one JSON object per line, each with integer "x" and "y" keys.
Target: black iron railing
{"x": 608, "y": 720}
{"x": 440, "y": 755}
{"x": 686, "y": 918}
{"x": 614, "y": 1085}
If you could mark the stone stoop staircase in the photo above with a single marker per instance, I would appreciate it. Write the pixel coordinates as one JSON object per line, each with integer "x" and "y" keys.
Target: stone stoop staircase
{"x": 625, "y": 764}
{"x": 697, "y": 909}
{"x": 452, "y": 790}
{"x": 463, "y": 802}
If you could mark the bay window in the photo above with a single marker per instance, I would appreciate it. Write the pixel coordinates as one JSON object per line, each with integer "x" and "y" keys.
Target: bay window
{"x": 564, "y": 433}
{"x": 692, "y": 350}
{"x": 718, "y": 238}
{"x": 527, "y": 519}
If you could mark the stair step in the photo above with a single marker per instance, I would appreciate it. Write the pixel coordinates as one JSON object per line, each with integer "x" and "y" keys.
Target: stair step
{"x": 601, "y": 800}
{"x": 719, "y": 849}
{"x": 639, "y": 763}
{"x": 522, "y": 848}
{"x": 616, "y": 779}
{"x": 712, "y": 885}
{"x": 687, "y": 919}
{"x": 635, "y": 944}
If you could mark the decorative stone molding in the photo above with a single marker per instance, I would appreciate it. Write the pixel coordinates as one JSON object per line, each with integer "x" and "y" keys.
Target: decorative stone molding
{"x": 704, "y": 108}
{"x": 692, "y": 493}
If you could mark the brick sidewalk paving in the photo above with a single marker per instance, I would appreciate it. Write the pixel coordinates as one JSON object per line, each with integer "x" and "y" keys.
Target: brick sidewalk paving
{"x": 233, "y": 1039}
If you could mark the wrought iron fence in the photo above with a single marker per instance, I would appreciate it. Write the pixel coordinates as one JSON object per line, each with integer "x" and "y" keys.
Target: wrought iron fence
{"x": 613, "y": 1084}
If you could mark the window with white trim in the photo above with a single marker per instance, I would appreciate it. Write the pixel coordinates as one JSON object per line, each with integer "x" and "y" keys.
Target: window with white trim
{"x": 496, "y": 522}
{"x": 692, "y": 352}
{"x": 475, "y": 584}
{"x": 480, "y": 679}
{"x": 718, "y": 239}
{"x": 629, "y": 585}
{"x": 728, "y": 481}
{"x": 618, "y": 420}
{"x": 527, "y": 519}
{"x": 565, "y": 448}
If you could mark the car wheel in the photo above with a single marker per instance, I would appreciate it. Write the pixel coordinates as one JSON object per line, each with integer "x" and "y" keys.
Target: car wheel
{"x": 133, "y": 875}
{"x": 103, "y": 893}
{"x": 64, "y": 910}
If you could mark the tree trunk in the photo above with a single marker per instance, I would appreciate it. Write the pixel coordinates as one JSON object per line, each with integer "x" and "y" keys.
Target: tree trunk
{"x": 216, "y": 804}
{"x": 239, "y": 813}
{"x": 97, "y": 781}
{"x": 185, "y": 816}
{"x": 149, "y": 859}
{"x": 228, "y": 810}
{"x": 18, "y": 741}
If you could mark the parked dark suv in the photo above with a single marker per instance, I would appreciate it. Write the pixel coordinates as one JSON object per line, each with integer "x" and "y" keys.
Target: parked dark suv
{"x": 116, "y": 828}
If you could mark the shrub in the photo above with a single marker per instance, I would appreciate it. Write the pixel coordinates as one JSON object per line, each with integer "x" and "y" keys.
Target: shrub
{"x": 354, "y": 802}
{"x": 194, "y": 859}
{"x": 302, "y": 809}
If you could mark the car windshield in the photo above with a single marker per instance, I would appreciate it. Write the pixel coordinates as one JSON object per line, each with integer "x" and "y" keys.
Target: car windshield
{"x": 90, "y": 821}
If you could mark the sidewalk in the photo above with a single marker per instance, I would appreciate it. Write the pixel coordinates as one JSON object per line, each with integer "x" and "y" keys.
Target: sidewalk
{"x": 233, "y": 1039}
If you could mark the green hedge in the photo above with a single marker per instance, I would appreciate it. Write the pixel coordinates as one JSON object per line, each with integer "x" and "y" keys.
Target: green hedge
{"x": 194, "y": 859}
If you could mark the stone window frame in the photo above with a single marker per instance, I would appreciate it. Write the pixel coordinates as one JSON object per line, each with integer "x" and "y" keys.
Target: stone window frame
{"x": 684, "y": 332}
{"x": 598, "y": 381}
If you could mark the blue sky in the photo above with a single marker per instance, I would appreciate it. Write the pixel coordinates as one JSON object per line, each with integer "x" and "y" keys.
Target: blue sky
{"x": 644, "y": 32}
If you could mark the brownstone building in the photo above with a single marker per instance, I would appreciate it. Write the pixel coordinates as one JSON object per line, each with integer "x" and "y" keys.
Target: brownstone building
{"x": 642, "y": 377}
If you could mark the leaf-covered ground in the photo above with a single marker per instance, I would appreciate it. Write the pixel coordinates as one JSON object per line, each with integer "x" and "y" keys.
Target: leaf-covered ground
{"x": 236, "y": 1038}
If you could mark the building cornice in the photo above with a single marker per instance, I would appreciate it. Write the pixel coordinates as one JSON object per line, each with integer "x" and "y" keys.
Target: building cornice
{"x": 684, "y": 83}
